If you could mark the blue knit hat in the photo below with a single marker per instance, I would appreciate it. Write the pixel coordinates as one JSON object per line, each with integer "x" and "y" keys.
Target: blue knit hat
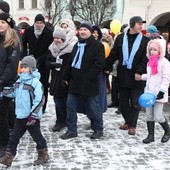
{"x": 152, "y": 29}
{"x": 87, "y": 25}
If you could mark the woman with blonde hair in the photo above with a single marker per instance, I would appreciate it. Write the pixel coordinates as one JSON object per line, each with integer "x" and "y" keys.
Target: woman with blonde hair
{"x": 9, "y": 59}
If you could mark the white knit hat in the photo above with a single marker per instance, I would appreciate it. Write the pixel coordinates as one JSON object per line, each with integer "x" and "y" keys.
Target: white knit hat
{"x": 105, "y": 31}
{"x": 159, "y": 44}
{"x": 59, "y": 33}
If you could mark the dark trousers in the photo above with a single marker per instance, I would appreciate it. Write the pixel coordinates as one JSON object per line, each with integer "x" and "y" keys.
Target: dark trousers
{"x": 4, "y": 125}
{"x": 19, "y": 130}
{"x": 45, "y": 72}
{"x": 11, "y": 114}
{"x": 95, "y": 114}
{"x": 129, "y": 106}
{"x": 114, "y": 91}
{"x": 60, "y": 106}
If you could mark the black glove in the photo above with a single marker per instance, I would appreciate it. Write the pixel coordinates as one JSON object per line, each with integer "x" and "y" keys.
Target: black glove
{"x": 160, "y": 95}
{"x": 55, "y": 65}
{"x": 64, "y": 83}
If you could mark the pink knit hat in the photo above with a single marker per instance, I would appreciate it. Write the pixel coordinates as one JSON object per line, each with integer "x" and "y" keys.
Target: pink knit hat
{"x": 159, "y": 44}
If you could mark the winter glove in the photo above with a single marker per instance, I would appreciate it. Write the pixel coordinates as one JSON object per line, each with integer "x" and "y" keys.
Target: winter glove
{"x": 64, "y": 83}
{"x": 160, "y": 95}
{"x": 55, "y": 65}
{"x": 31, "y": 120}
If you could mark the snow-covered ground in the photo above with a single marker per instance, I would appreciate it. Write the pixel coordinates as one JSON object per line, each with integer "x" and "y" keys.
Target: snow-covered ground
{"x": 115, "y": 151}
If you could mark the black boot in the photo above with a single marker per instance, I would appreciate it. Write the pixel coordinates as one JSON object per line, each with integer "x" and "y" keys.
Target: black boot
{"x": 58, "y": 126}
{"x": 166, "y": 135}
{"x": 150, "y": 137}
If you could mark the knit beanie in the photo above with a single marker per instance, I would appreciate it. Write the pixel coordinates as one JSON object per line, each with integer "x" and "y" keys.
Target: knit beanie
{"x": 59, "y": 33}
{"x": 105, "y": 31}
{"x": 4, "y": 6}
{"x": 7, "y": 18}
{"x": 30, "y": 62}
{"x": 135, "y": 19}
{"x": 87, "y": 25}
{"x": 151, "y": 29}
{"x": 39, "y": 17}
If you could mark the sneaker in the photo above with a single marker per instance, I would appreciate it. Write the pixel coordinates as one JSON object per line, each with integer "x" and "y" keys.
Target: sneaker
{"x": 68, "y": 135}
{"x": 58, "y": 127}
{"x": 96, "y": 135}
{"x": 125, "y": 126}
{"x": 131, "y": 131}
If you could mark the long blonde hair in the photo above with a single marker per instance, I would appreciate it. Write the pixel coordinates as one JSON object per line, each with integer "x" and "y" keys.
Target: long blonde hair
{"x": 11, "y": 38}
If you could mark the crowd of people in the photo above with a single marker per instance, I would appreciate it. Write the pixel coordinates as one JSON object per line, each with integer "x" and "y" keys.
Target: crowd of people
{"x": 75, "y": 71}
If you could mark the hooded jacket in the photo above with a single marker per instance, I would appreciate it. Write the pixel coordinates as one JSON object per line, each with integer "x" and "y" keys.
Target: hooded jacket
{"x": 27, "y": 103}
{"x": 161, "y": 80}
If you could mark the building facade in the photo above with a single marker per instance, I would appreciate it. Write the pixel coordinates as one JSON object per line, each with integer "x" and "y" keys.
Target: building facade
{"x": 155, "y": 12}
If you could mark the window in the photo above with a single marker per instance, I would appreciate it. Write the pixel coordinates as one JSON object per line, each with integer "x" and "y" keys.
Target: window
{"x": 21, "y": 4}
{"x": 34, "y": 3}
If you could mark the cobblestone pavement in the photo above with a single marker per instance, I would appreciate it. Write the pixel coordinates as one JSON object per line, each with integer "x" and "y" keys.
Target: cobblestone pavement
{"x": 115, "y": 151}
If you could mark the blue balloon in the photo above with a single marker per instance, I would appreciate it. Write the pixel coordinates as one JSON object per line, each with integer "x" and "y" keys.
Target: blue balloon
{"x": 147, "y": 99}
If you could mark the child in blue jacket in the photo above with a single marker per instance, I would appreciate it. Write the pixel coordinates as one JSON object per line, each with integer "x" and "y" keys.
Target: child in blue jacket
{"x": 28, "y": 94}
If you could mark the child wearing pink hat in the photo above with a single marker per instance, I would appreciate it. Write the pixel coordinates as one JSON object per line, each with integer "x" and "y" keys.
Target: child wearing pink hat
{"x": 157, "y": 83}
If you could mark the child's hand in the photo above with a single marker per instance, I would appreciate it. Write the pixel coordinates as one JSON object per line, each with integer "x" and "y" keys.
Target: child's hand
{"x": 31, "y": 120}
{"x": 160, "y": 95}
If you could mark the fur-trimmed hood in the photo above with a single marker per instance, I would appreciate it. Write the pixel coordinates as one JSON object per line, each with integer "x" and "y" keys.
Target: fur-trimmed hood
{"x": 161, "y": 43}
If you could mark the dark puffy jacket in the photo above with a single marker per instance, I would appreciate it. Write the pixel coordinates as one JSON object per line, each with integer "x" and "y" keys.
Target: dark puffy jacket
{"x": 56, "y": 89}
{"x": 9, "y": 60}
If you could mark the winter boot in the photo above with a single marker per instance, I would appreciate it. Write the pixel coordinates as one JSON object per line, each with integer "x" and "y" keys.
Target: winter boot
{"x": 166, "y": 135}
{"x": 43, "y": 156}
{"x": 150, "y": 137}
{"x": 7, "y": 158}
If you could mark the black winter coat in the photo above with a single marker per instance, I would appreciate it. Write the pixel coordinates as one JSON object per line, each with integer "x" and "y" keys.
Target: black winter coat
{"x": 9, "y": 60}
{"x": 85, "y": 81}
{"x": 56, "y": 89}
{"x": 37, "y": 47}
{"x": 126, "y": 77}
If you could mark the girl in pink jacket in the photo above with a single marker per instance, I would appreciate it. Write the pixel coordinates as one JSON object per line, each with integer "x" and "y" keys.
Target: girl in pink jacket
{"x": 157, "y": 83}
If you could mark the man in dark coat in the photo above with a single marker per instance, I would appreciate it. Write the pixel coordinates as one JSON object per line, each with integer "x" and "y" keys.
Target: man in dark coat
{"x": 36, "y": 40}
{"x": 82, "y": 75}
{"x": 130, "y": 49}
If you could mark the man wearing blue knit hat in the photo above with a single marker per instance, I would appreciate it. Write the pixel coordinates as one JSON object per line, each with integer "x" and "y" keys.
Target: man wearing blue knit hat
{"x": 81, "y": 75}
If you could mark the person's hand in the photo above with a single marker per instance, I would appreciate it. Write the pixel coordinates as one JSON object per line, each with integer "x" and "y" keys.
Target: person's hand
{"x": 106, "y": 72}
{"x": 160, "y": 95}
{"x": 64, "y": 83}
{"x": 31, "y": 120}
{"x": 137, "y": 77}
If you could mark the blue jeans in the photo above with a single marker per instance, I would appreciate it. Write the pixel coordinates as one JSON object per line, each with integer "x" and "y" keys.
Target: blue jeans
{"x": 95, "y": 112}
{"x": 19, "y": 130}
{"x": 60, "y": 106}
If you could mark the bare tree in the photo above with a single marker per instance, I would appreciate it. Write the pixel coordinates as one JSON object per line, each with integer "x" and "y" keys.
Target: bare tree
{"x": 95, "y": 11}
{"x": 53, "y": 9}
